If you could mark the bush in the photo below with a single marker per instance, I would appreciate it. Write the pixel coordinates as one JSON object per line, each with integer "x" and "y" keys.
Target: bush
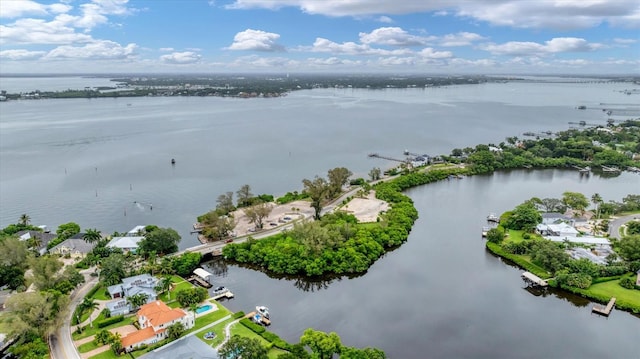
{"x": 109, "y": 321}
{"x": 526, "y": 236}
{"x": 627, "y": 282}
{"x": 256, "y": 328}
{"x": 238, "y": 315}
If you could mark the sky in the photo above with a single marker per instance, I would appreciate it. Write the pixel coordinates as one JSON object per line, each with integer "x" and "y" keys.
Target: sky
{"x": 323, "y": 36}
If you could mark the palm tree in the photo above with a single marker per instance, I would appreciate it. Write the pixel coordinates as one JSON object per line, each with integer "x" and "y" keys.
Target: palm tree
{"x": 164, "y": 285}
{"x": 92, "y": 236}
{"x": 137, "y": 300}
{"x": 25, "y": 219}
{"x": 88, "y": 304}
{"x": 597, "y": 199}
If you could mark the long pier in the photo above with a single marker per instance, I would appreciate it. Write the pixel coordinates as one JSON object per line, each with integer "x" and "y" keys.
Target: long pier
{"x": 226, "y": 294}
{"x": 375, "y": 155}
{"x": 598, "y": 309}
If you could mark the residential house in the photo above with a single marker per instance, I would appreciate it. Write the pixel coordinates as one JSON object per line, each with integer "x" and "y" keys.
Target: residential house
{"x": 127, "y": 244}
{"x": 561, "y": 229}
{"x": 555, "y": 218}
{"x": 153, "y": 319}
{"x": 42, "y": 237}
{"x": 137, "y": 231}
{"x": 118, "y": 307}
{"x": 75, "y": 246}
{"x": 143, "y": 283}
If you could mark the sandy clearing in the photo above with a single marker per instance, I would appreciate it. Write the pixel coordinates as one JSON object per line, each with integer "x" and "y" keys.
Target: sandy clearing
{"x": 294, "y": 210}
{"x": 366, "y": 209}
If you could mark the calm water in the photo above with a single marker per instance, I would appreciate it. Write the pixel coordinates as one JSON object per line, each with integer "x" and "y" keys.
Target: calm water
{"x": 438, "y": 296}
{"x": 441, "y": 295}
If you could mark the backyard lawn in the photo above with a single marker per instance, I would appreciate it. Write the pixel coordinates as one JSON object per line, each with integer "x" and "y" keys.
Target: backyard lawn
{"x": 613, "y": 289}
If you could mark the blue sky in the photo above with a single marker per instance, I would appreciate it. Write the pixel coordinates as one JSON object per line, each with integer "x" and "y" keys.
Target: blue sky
{"x": 327, "y": 36}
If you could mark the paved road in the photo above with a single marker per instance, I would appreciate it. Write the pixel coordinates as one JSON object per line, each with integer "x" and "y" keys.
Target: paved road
{"x": 614, "y": 225}
{"x": 60, "y": 343}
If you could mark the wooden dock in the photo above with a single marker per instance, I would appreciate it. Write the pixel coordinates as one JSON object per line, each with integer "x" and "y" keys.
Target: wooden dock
{"x": 263, "y": 320}
{"x": 532, "y": 279}
{"x": 199, "y": 281}
{"x": 598, "y": 309}
{"x": 226, "y": 294}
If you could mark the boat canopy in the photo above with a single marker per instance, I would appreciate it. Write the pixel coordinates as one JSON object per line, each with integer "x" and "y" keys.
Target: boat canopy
{"x": 202, "y": 273}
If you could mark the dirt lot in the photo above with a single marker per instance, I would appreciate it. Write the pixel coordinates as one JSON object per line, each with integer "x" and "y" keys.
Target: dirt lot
{"x": 293, "y": 210}
{"x": 366, "y": 209}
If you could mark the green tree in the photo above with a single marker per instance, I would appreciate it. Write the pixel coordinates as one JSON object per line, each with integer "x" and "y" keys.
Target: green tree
{"x": 323, "y": 345}
{"x": 482, "y": 161}
{"x": 217, "y": 227}
{"x": 13, "y": 252}
{"x": 257, "y": 213}
{"x": 67, "y": 230}
{"x": 367, "y": 353}
{"x": 317, "y": 190}
{"x": 90, "y": 305}
{"x": 495, "y": 235}
{"x": 549, "y": 255}
{"x": 629, "y": 247}
{"x": 45, "y": 271}
{"x": 524, "y": 217}
{"x": 92, "y": 235}
{"x": 189, "y": 296}
{"x": 25, "y": 219}
{"x": 164, "y": 285}
{"x": 338, "y": 177}
{"x": 42, "y": 312}
{"x": 596, "y": 199}
{"x": 244, "y": 196}
{"x": 242, "y": 347}
{"x": 552, "y": 205}
{"x": 633, "y": 227}
{"x": 137, "y": 300}
{"x": 112, "y": 269}
{"x": 162, "y": 241}
{"x": 575, "y": 200}
{"x": 375, "y": 174}
{"x": 225, "y": 203}
{"x": 175, "y": 331}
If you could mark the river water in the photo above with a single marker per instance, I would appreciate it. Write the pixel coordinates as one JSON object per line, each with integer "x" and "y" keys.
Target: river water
{"x": 440, "y": 295}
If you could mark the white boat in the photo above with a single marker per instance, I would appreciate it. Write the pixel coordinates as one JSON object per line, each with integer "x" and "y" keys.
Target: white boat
{"x": 264, "y": 311}
{"x": 493, "y": 218}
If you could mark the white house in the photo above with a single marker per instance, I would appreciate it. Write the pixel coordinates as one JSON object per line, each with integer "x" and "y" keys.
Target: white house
{"x": 142, "y": 283}
{"x": 153, "y": 320}
{"x": 127, "y": 244}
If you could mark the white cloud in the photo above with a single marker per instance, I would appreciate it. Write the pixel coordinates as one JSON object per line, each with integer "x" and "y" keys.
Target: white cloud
{"x": 187, "y": 57}
{"x": 385, "y": 19}
{"x": 625, "y": 41}
{"x": 166, "y": 49}
{"x": 555, "y": 45}
{"x": 21, "y": 54}
{"x": 38, "y": 31}
{"x": 256, "y": 40}
{"x": 392, "y": 36}
{"x": 96, "y": 12}
{"x": 564, "y": 14}
{"x": 15, "y": 8}
{"x": 97, "y": 50}
{"x": 351, "y": 48}
{"x": 430, "y": 53}
{"x": 460, "y": 39}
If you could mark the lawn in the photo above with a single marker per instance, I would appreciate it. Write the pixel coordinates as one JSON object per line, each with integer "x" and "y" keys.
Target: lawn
{"x": 88, "y": 331}
{"x": 87, "y": 347}
{"x": 613, "y": 289}
{"x": 179, "y": 284}
{"x": 101, "y": 293}
{"x": 209, "y": 318}
{"x": 109, "y": 354}
{"x": 218, "y": 329}
{"x": 243, "y": 331}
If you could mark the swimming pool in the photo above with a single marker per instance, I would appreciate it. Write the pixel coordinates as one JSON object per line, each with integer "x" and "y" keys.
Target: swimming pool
{"x": 202, "y": 309}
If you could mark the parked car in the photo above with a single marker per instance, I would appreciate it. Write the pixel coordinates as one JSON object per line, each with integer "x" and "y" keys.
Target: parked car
{"x": 229, "y": 240}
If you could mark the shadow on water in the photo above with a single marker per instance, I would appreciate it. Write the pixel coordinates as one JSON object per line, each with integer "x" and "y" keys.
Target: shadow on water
{"x": 220, "y": 267}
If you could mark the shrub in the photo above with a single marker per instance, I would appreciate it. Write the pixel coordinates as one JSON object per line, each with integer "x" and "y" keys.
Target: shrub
{"x": 257, "y": 328}
{"x": 627, "y": 282}
{"x": 109, "y": 321}
{"x": 238, "y": 315}
{"x": 526, "y": 236}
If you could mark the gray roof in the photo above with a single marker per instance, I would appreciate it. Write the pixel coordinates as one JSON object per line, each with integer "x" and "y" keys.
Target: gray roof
{"x": 76, "y": 244}
{"x": 44, "y": 237}
{"x": 117, "y": 304}
{"x": 143, "y": 283}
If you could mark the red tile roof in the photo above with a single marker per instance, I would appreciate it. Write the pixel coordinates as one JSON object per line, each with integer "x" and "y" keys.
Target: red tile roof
{"x": 158, "y": 313}
{"x": 137, "y": 337}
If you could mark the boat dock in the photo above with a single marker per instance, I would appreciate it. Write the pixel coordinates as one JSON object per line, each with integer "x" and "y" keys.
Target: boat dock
{"x": 225, "y": 294}
{"x": 485, "y": 230}
{"x": 532, "y": 279}
{"x": 263, "y": 320}
{"x": 598, "y": 309}
{"x": 201, "y": 282}
{"x": 610, "y": 169}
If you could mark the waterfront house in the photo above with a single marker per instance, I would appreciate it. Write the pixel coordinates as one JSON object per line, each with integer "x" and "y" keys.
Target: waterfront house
{"x": 153, "y": 320}
{"x": 43, "y": 238}
{"x": 143, "y": 283}
{"x": 555, "y": 218}
{"x": 75, "y": 246}
{"x": 561, "y": 229}
{"x": 118, "y": 307}
{"x": 137, "y": 231}
{"x": 127, "y": 244}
